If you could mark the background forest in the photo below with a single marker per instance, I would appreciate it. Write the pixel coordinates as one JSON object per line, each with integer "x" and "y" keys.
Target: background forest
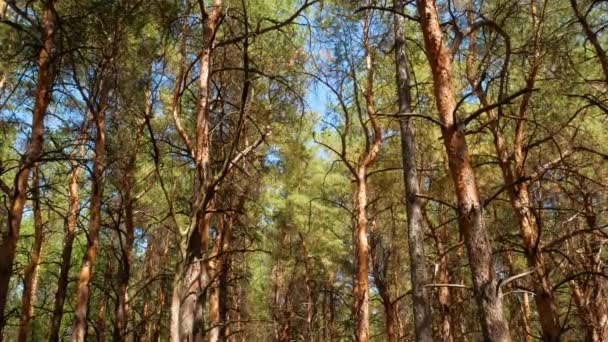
{"x": 303, "y": 170}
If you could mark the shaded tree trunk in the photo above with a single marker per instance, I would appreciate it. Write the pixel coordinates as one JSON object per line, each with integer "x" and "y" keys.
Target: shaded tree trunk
{"x": 17, "y": 196}
{"x": 419, "y": 276}
{"x": 471, "y": 220}
{"x": 380, "y": 265}
{"x": 309, "y": 290}
{"x": 30, "y": 281}
{"x": 121, "y": 312}
{"x": 592, "y": 36}
{"x": 440, "y": 235}
{"x": 160, "y": 317}
{"x": 100, "y": 323}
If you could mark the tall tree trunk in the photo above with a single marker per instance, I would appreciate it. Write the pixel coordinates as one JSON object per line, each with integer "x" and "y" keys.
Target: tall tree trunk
{"x": 361, "y": 285}
{"x": 99, "y": 163}
{"x": 513, "y": 171}
{"x": 68, "y": 239}
{"x": 520, "y": 200}
{"x": 17, "y": 197}
{"x": 366, "y": 159}
{"x": 192, "y": 298}
{"x": 471, "y": 220}
{"x": 192, "y": 278}
{"x": 121, "y": 312}
{"x": 30, "y": 280}
{"x": 418, "y": 272}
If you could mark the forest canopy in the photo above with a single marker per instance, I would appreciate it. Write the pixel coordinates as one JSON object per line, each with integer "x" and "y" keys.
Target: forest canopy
{"x": 304, "y": 170}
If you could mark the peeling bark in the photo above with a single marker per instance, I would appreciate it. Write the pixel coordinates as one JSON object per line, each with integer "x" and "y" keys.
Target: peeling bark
{"x": 471, "y": 220}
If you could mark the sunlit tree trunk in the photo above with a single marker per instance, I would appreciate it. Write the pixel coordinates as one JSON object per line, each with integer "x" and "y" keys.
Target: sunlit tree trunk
{"x": 192, "y": 278}
{"x": 361, "y": 282}
{"x": 366, "y": 159}
{"x": 3, "y": 7}
{"x": 99, "y": 164}
{"x": 471, "y": 220}
{"x": 68, "y": 238}
{"x": 17, "y": 196}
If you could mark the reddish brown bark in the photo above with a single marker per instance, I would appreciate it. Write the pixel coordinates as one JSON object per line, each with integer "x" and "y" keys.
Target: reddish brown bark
{"x": 17, "y": 196}
{"x": 361, "y": 285}
{"x": 366, "y": 159}
{"x": 513, "y": 171}
{"x": 99, "y": 164}
{"x": 217, "y": 264}
{"x": 68, "y": 239}
{"x": 187, "y": 312}
{"x": 30, "y": 279}
{"x": 471, "y": 220}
